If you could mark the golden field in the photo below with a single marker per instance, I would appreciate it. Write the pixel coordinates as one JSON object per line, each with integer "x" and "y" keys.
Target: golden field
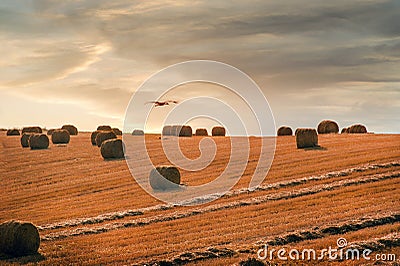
{"x": 91, "y": 211}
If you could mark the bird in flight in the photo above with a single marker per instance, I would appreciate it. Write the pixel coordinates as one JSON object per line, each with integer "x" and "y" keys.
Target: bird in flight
{"x": 158, "y": 103}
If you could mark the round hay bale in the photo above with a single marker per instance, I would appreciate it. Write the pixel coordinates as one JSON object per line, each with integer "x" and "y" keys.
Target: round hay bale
{"x": 344, "y": 130}
{"x": 117, "y": 131}
{"x": 167, "y": 131}
{"x": 31, "y": 130}
{"x": 72, "y": 130}
{"x": 164, "y": 177}
{"x": 358, "y": 129}
{"x": 112, "y": 149}
{"x": 93, "y": 137}
{"x": 137, "y": 132}
{"x": 185, "y": 131}
{"x": 201, "y": 132}
{"x": 60, "y": 136}
{"x": 327, "y": 127}
{"x": 218, "y": 131}
{"x": 175, "y": 130}
{"x": 50, "y": 131}
{"x": 104, "y": 128}
{"x": 13, "y": 132}
{"x": 39, "y": 141}
{"x": 19, "y": 238}
{"x": 306, "y": 138}
{"x": 25, "y": 139}
{"x": 104, "y": 135}
{"x": 284, "y": 131}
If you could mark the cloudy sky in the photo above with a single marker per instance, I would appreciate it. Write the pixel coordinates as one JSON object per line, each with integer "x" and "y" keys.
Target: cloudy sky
{"x": 81, "y": 61}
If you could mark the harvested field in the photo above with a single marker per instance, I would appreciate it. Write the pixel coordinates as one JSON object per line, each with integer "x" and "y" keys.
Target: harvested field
{"x": 91, "y": 211}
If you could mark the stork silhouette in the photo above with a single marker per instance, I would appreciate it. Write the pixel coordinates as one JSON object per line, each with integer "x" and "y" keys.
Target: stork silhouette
{"x": 164, "y": 103}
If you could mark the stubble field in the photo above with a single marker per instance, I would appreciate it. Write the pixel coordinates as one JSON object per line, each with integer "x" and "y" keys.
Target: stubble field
{"x": 91, "y": 211}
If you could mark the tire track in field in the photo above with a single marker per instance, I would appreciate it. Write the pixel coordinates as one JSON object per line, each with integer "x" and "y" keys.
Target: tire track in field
{"x": 222, "y": 206}
{"x": 390, "y": 240}
{"x": 128, "y": 213}
{"x": 341, "y": 228}
{"x": 374, "y": 244}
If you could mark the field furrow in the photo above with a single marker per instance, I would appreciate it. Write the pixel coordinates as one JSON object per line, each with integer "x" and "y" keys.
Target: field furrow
{"x": 218, "y": 207}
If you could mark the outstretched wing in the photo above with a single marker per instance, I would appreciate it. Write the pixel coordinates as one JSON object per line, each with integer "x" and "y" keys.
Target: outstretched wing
{"x": 151, "y": 102}
{"x": 170, "y": 101}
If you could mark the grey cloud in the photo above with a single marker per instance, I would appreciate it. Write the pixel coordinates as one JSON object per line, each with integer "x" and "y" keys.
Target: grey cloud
{"x": 207, "y": 22}
{"x": 46, "y": 61}
{"x": 175, "y": 34}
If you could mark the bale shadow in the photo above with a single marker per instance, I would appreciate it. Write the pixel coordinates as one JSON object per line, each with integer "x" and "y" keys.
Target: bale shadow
{"x": 34, "y": 258}
{"x": 61, "y": 145}
{"x": 171, "y": 188}
{"x": 114, "y": 159}
{"x": 315, "y": 148}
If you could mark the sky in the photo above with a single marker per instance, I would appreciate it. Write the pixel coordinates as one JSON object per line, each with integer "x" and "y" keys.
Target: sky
{"x": 80, "y": 62}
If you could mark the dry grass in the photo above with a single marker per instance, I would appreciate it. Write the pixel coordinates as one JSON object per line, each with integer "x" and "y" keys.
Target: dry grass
{"x": 92, "y": 212}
